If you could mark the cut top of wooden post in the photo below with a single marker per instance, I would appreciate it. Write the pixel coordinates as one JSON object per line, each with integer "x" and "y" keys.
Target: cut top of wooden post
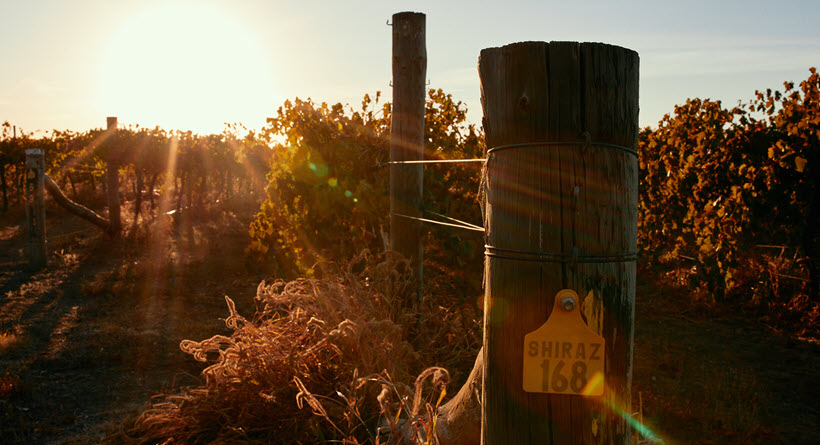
{"x": 542, "y": 94}
{"x": 554, "y": 97}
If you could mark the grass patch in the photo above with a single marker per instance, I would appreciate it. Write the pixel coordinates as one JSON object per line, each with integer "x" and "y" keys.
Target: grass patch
{"x": 9, "y": 341}
{"x": 323, "y": 359}
{"x": 9, "y": 384}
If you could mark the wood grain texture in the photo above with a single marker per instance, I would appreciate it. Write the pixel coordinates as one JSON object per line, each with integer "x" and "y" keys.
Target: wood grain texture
{"x": 407, "y": 139}
{"x": 557, "y": 198}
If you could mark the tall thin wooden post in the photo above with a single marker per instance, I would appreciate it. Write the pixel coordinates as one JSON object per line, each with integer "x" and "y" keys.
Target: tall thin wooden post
{"x": 112, "y": 177}
{"x": 407, "y": 140}
{"x": 561, "y": 121}
{"x": 3, "y": 186}
{"x": 3, "y": 176}
{"x": 36, "y": 208}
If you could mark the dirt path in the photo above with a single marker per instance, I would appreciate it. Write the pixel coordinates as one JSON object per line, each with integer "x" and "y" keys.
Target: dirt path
{"x": 721, "y": 379}
{"x": 91, "y": 338}
{"x": 85, "y": 343}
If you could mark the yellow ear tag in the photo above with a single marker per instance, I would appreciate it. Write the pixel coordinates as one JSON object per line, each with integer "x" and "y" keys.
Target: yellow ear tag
{"x": 564, "y": 356}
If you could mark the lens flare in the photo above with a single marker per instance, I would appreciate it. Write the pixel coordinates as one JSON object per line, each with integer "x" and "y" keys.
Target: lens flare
{"x": 635, "y": 423}
{"x": 321, "y": 170}
{"x": 499, "y": 309}
{"x": 594, "y": 385}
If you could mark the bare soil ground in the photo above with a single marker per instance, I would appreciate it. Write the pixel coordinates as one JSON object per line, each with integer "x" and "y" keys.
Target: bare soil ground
{"x": 715, "y": 376}
{"x": 86, "y": 342}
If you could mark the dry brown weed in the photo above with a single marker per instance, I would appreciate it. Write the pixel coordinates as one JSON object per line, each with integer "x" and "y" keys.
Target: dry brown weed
{"x": 307, "y": 347}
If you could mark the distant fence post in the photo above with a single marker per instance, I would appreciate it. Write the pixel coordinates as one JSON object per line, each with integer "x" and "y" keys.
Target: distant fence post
{"x": 112, "y": 176}
{"x": 35, "y": 208}
{"x": 561, "y": 124}
{"x": 407, "y": 140}
{"x": 3, "y": 186}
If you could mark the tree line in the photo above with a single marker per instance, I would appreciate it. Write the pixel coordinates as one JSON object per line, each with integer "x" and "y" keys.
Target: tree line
{"x": 190, "y": 169}
{"x": 729, "y": 193}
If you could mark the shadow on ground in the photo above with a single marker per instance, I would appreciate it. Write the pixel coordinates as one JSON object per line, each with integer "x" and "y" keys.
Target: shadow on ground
{"x": 89, "y": 339}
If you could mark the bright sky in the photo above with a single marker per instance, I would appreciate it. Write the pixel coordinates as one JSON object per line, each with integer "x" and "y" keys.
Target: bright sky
{"x": 196, "y": 65}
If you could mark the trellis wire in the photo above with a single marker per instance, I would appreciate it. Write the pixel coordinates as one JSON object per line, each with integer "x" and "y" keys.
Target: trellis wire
{"x": 461, "y": 225}
{"x": 587, "y": 142}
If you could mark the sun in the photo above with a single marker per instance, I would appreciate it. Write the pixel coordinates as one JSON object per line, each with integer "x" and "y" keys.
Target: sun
{"x": 185, "y": 66}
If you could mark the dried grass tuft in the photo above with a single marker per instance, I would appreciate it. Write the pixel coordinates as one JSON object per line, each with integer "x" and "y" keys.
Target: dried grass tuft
{"x": 291, "y": 374}
{"x": 9, "y": 384}
{"x": 8, "y": 341}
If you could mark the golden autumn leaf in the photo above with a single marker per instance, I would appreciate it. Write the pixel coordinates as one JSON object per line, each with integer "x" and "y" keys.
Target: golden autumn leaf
{"x": 800, "y": 163}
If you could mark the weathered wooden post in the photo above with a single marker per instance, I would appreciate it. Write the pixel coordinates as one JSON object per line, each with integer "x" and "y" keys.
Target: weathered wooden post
{"x": 112, "y": 177}
{"x": 36, "y": 208}
{"x": 407, "y": 140}
{"x": 3, "y": 186}
{"x": 3, "y": 177}
{"x": 561, "y": 121}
